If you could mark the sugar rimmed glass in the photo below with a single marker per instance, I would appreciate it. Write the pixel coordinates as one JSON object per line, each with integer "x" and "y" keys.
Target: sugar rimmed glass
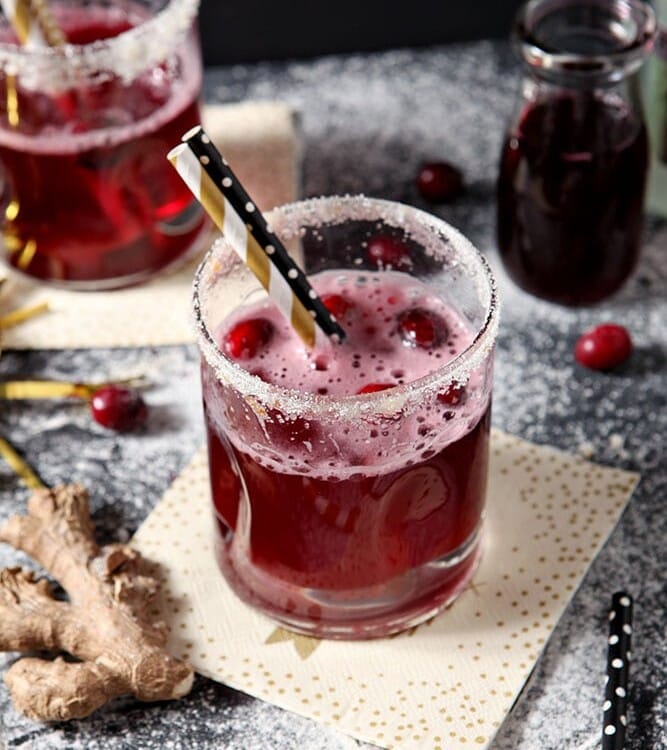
{"x": 87, "y": 198}
{"x": 350, "y": 516}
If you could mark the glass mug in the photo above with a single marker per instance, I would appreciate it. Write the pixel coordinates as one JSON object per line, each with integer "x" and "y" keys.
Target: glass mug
{"x": 574, "y": 161}
{"x": 349, "y": 482}
{"x": 87, "y": 197}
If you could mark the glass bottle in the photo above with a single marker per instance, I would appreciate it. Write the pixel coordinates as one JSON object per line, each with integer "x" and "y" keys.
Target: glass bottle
{"x": 574, "y": 160}
{"x": 655, "y": 88}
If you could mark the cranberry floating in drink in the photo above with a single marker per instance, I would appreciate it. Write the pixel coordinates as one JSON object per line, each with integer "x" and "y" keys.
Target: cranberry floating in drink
{"x": 348, "y": 492}
{"x": 574, "y": 160}
{"x": 387, "y": 251}
{"x": 88, "y": 200}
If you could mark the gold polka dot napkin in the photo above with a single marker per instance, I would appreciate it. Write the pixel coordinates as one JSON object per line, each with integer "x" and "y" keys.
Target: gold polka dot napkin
{"x": 260, "y": 140}
{"x": 445, "y": 684}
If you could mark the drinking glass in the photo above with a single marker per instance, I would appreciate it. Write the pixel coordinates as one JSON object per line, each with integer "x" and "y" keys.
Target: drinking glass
{"x": 87, "y": 197}
{"x": 347, "y": 511}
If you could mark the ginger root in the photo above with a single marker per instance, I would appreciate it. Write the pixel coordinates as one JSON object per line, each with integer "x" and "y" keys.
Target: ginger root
{"x": 105, "y": 625}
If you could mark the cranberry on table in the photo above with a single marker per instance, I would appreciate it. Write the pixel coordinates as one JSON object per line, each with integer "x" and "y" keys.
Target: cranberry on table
{"x": 385, "y": 250}
{"x": 421, "y": 328}
{"x": 118, "y": 408}
{"x": 246, "y": 338}
{"x": 439, "y": 182}
{"x": 603, "y": 347}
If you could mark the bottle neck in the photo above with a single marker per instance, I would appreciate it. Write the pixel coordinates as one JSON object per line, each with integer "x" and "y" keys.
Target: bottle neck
{"x": 623, "y": 96}
{"x": 584, "y": 44}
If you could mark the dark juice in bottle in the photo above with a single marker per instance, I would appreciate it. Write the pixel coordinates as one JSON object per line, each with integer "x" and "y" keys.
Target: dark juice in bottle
{"x": 570, "y": 197}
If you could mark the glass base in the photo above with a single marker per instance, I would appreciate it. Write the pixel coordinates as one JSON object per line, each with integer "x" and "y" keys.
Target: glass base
{"x": 372, "y": 612}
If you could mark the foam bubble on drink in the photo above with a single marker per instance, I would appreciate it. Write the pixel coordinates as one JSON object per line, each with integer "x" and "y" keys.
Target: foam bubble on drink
{"x": 337, "y": 433}
{"x": 375, "y": 352}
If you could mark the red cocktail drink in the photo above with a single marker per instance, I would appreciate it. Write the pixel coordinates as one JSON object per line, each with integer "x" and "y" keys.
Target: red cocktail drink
{"x": 348, "y": 481}
{"x": 359, "y": 532}
{"x": 88, "y": 199}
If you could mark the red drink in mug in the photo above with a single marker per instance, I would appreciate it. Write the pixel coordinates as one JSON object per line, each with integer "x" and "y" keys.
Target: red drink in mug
{"x": 348, "y": 481}
{"x": 88, "y": 200}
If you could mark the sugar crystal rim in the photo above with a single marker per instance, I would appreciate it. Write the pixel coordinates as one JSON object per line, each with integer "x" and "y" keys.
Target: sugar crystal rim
{"x": 285, "y": 221}
{"x": 126, "y": 55}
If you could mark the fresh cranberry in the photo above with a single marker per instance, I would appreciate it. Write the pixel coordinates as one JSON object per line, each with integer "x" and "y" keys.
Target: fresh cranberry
{"x": 247, "y": 337}
{"x": 439, "y": 182}
{"x": 118, "y": 408}
{"x": 336, "y": 304}
{"x": 603, "y": 347}
{"x": 421, "y": 328}
{"x": 453, "y": 395}
{"x": 385, "y": 250}
{"x": 374, "y": 387}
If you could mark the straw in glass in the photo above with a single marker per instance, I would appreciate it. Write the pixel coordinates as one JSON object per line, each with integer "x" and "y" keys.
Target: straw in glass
{"x": 34, "y": 26}
{"x": 216, "y": 187}
{"x": 33, "y": 23}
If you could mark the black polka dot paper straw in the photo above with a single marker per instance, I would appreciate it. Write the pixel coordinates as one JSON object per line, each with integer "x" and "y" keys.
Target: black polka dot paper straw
{"x": 216, "y": 187}
{"x": 614, "y": 710}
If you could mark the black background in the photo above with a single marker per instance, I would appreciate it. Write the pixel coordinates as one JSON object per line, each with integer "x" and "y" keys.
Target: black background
{"x": 251, "y": 30}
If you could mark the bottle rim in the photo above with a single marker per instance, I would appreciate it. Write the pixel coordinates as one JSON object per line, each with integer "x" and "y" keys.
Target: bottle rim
{"x": 631, "y": 25}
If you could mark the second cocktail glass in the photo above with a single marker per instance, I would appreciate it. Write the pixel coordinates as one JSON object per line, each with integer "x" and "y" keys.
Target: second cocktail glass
{"x": 349, "y": 481}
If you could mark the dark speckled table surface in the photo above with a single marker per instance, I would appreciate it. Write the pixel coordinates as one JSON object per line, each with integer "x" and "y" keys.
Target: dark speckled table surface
{"x": 367, "y": 121}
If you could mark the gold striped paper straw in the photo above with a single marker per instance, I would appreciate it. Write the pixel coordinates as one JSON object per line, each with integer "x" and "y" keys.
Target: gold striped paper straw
{"x": 34, "y": 26}
{"x": 33, "y": 23}
{"x": 19, "y": 465}
{"x": 50, "y": 389}
{"x": 216, "y": 187}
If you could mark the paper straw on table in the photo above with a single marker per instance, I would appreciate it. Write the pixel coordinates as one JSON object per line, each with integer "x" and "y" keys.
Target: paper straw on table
{"x": 614, "y": 710}
{"x": 217, "y": 188}
{"x": 33, "y": 23}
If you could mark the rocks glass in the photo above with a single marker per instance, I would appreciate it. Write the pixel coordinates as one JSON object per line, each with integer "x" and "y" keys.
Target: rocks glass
{"x": 352, "y": 508}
